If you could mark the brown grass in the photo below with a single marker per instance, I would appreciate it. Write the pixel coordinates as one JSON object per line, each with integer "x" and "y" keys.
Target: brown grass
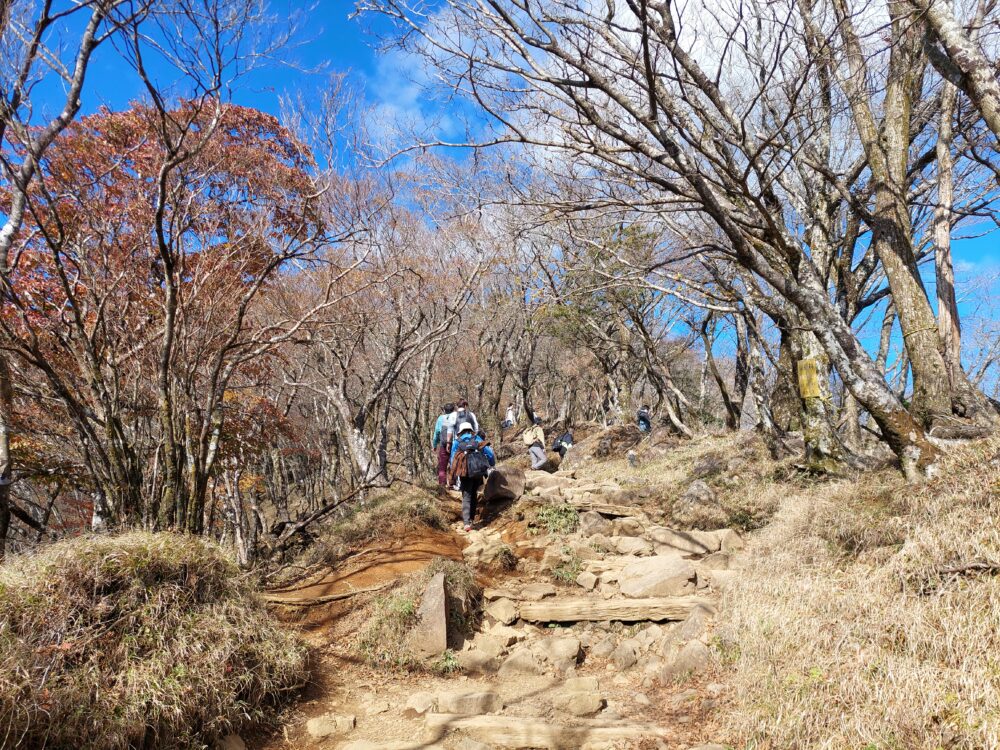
{"x": 853, "y": 624}
{"x": 135, "y": 641}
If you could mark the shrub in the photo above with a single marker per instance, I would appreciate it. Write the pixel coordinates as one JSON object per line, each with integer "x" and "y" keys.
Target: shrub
{"x": 136, "y": 641}
{"x": 557, "y": 519}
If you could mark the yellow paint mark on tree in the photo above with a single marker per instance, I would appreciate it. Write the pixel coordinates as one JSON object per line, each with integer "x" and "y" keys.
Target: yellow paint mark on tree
{"x": 809, "y": 378}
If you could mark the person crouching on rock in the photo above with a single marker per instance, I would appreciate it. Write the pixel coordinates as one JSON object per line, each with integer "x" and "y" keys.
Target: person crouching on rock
{"x": 534, "y": 438}
{"x": 472, "y": 460}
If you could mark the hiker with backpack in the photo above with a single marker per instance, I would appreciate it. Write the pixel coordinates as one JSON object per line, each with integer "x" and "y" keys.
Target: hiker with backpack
{"x": 534, "y": 438}
{"x": 563, "y": 443}
{"x": 461, "y": 414}
{"x": 644, "y": 419}
{"x": 439, "y": 442}
{"x": 472, "y": 460}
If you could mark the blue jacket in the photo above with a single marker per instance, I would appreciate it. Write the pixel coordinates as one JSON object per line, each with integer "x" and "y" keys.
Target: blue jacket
{"x": 439, "y": 426}
{"x": 487, "y": 451}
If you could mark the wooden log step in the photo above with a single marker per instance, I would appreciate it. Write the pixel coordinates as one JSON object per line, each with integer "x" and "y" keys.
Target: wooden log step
{"x": 597, "y": 610}
{"x": 526, "y": 731}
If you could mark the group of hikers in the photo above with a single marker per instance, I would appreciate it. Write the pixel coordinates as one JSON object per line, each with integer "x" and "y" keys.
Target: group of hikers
{"x": 465, "y": 457}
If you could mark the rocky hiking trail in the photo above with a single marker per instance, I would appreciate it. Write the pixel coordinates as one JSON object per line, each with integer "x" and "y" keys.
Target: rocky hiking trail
{"x": 593, "y": 637}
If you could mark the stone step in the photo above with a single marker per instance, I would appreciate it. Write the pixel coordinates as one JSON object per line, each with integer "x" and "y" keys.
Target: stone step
{"x": 526, "y": 731}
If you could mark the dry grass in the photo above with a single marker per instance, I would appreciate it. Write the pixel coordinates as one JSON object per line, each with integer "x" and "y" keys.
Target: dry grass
{"x": 135, "y": 641}
{"x": 854, "y": 625}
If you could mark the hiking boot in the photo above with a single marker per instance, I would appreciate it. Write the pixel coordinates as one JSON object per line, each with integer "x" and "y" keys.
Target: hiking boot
{"x": 468, "y": 528}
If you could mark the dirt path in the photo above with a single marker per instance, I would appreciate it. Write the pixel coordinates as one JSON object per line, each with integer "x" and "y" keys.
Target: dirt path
{"x": 599, "y": 638}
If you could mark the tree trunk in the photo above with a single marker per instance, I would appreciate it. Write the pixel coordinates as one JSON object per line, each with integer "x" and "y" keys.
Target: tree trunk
{"x": 948, "y": 321}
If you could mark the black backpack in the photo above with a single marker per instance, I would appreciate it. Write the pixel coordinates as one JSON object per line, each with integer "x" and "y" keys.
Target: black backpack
{"x": 476, "y": 465}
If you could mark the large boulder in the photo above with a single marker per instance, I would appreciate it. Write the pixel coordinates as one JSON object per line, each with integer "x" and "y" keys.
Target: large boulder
{"x": 429, "y": 636}
{"x": 661, "y": 575}
{"x": 535, "y": 480}
{"x": 699, "y": 508}
{"x": 506, "y": 483}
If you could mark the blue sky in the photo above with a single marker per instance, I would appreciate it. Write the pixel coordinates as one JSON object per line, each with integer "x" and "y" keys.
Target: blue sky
{"x": 329, "y": 41}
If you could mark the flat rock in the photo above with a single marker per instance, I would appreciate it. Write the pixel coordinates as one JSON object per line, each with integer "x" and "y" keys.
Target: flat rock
{"x": 525, "y": 731}
{"x": 503, "y": 611}
{"x": 580, "y": 696}
{"x": 429, "y": 636}
{"x": 587, "y": 579}
{"x": 521, "y": 662}
{"x": 328, "y": 725}
{"x": 419, "y": 704}
{"x": 632, "y": 545}
{"x": 535, "y": 592}
{"x": 538, "y": 480}
{"x": 662, "y": 575}
{"x": 469, "y": 702}
{"x": 475, "y": 661}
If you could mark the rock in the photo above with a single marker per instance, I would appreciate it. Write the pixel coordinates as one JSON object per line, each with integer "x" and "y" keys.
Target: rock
{"x": 475, "y": 661}
{"x": 521, "y": 662}
{"x": 579, "y": 696}
{"x": 627, "y": 654}
{"x": 711, "y": 746}
{"x": 231, "y": 742}
{"x": 627, "y": 526}
{"x": 552, "y": 558}
{"x": 667, "y": 541}
{"x": 469, "y": 702}
{"x": 592, "y": 522}
{"x": 419, "y": 704}
{"x": 506, "y": 635}
{"x": 662, "y": 575}
{"x": 535, "y": 592}
{"x": 603, "y": 648}
{"x": 691, "y": 659}
{"x": 489, "y": 645}
{"x": 503, "y": 611}
{"x": 505, "y": 483}
{"x": 715, "y": 561}
{"x": 329, "y": 725}
{"x": 467, "y": 743}
{"x": 631, "y": 545}
{"x": 429, "y": 637}
{"x": 698, "y": 508}
{"x": 695, "y": 625}
{"x": 730, "y": 541}
{"x": 587, "y": 580}
{"x": 561, "y": 653}
{"x": 649, "y": 635}
{"x": 535, "y": 480}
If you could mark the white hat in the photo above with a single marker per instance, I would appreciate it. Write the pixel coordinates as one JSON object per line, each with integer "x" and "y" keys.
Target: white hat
{"x": 464, "y": 426}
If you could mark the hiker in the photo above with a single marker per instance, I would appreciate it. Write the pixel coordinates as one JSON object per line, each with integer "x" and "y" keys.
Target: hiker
{"x": 461, "y": 414}
{"x": 440, "y": 442}
{"x": 563, "y": 443}
{"x": 534, "y": 438}
{"x": 472, "y": 460}
{"x": 644, "y": 419}
{"x": 510, "y": 419}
